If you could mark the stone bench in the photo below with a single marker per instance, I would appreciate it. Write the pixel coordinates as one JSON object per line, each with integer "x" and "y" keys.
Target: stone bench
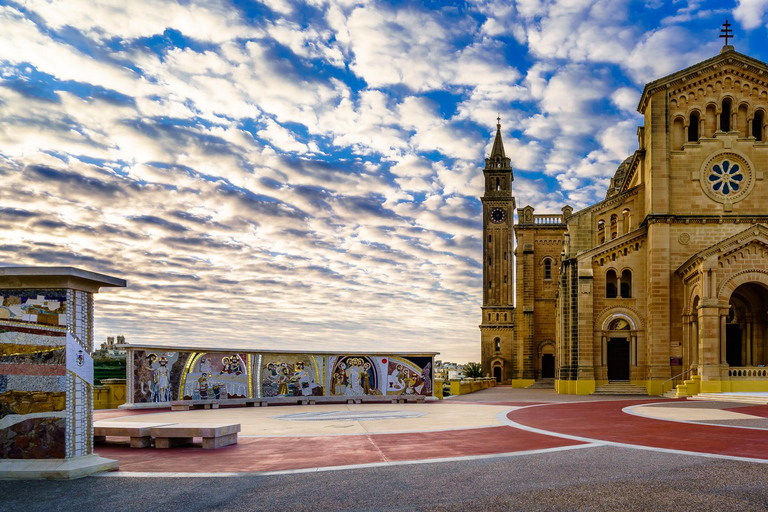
{"x": 138, "y": 432}
{"x": 179, "y": 434}
{"x": 185, "y": 405}
{"x": 402, "y": 399}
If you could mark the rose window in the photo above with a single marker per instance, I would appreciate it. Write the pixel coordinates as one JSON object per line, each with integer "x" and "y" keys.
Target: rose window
{"x": 726, "y": 177}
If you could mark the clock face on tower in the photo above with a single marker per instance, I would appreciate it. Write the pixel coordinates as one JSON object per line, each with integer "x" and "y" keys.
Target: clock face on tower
{"x": 497, "y": 215}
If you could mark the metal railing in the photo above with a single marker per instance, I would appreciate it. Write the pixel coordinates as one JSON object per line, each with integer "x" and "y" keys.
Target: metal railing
{"x": 673, "y": 378}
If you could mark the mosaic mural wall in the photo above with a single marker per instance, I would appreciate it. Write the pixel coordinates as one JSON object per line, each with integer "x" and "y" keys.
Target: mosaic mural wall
{"x": 160, "y": 375}
{"x": 216, "y": 375}
{"x": 291, "y": 375}
{"x": 43, "y": 404}
{"x": 157, "y": 375}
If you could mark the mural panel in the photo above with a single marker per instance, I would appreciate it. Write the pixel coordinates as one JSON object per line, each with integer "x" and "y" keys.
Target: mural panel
{"x": 354, "y": 375}
{"x": 45, "y": 307}
{"x": 409, "y": 376}
{"x": 216, "y": 375}
{"x": 157, "y": 375}
{"x": 33, "y": 374}
{"x": 292, "y": 375}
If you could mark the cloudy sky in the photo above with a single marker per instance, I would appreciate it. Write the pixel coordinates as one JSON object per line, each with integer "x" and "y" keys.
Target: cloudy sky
{"x": 297, "y": 175}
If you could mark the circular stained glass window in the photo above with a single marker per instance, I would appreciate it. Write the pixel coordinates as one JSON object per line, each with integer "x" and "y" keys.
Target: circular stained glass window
{"x": 727, "y": 176}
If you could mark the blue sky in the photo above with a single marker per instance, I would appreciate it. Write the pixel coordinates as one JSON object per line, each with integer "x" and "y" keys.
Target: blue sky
{"x": 306, "y": 175}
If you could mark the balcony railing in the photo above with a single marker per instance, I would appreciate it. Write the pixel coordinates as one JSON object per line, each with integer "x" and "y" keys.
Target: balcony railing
{"x": 748, "y": 372}
{"x": 548, "y": 219}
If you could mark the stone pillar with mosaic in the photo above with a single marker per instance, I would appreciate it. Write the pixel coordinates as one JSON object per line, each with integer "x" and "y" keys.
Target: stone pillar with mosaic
{"x": 46, "y": 372}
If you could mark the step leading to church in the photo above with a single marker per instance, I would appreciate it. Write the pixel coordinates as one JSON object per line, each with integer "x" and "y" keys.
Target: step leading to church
{"x": 620, "y": 388}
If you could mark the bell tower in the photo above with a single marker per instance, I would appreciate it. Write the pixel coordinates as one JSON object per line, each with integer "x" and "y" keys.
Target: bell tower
{"x": 498, "y": 321}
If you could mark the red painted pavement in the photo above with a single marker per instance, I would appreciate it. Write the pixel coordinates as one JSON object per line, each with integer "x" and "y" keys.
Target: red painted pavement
{"x": 605, "y": 421}
{"x": 282, "y": 453}
{"x": 753, "y": 410}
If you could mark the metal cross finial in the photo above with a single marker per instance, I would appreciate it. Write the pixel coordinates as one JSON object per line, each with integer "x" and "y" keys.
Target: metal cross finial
{"x": 726, "y": 32}
{"x": 498, "y": 118}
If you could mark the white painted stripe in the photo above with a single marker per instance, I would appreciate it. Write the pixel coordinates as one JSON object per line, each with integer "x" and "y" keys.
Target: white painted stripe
{"x": 630, "y": 410}
{"x": 147, "y": 474}
{"x": 598, "y": 442}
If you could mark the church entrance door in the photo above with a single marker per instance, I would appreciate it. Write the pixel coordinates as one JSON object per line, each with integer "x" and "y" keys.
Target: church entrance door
{"x": 618, "y": 359}
{"x": 733, "y": 349}
{"x": 548, "y": 366}
{"x": 497, "y": 373}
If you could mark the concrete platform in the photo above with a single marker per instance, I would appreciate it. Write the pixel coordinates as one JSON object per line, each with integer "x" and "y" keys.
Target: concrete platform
{"x": 137, "y": 432}
{"x": 55, "y": 469}
{"x": 214, "y": 435}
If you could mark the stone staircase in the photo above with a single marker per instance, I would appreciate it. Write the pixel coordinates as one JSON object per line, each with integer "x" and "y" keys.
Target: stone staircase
{"x": 543, "y": 384}
{"x": 756, "y": 399}
{"x": 672, "y": 393}
{"x": 620, "y": 388}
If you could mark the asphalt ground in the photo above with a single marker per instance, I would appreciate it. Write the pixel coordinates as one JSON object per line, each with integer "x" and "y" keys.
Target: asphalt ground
{"x": 564, "y": 475}
{"x": 597, "y": 478}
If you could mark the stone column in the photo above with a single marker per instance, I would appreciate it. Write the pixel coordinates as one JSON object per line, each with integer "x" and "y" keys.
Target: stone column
{"x": 633, "y": 350}
{"x": 50, "y": 399}
{"x": 603, "y": 349}
{"x": 710, "y": 354}
{"x": 723, "y": 321}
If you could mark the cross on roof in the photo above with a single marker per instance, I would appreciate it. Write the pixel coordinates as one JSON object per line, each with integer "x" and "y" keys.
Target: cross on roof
{"x": 726, "y": 32}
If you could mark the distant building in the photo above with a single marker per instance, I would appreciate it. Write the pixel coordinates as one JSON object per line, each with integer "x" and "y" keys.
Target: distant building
{"x": 110, "y": 349}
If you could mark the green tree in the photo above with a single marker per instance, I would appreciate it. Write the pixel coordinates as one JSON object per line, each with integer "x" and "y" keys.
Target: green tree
{"x": 473, "y": 370}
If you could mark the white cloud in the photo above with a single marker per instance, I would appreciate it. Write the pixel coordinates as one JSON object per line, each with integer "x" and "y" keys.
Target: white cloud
{"x": 750, "y": 13}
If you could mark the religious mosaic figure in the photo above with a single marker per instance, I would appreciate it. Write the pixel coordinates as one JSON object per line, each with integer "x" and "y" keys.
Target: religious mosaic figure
{"x": 407, "y": 376}
{"x": 146, "y": 375}
{"x": 162, "y": 381}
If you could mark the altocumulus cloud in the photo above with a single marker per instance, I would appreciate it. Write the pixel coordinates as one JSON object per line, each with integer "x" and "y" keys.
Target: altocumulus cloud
{"x": 305, "y": 175}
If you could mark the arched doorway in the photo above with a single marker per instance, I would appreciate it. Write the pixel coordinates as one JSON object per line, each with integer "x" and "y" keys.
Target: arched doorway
{"x": 497, "y": 373}
{"x": 618, "y": 350}
{"x": 746, "y": 327}
{"x": 547, "y": 359}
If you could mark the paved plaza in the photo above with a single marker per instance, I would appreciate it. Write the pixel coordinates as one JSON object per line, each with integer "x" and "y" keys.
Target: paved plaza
{"x": 500, "y": 448}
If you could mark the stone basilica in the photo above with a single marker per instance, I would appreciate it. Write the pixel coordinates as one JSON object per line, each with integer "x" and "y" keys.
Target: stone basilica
{"x": 663, "y": 285}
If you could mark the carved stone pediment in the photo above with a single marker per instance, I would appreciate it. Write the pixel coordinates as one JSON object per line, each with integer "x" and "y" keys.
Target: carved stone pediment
{"x": 753, "y": 240}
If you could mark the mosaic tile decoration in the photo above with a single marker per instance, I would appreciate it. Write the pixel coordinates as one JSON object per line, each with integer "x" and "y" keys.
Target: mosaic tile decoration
{"x": 160, "y": 375}
{"x": 45, "y": 410}
{"x": 216, "y": 375}
{"x": 354, "y": 375}
{"x": 409, "y": 376}
{"x": 292, "y": 375}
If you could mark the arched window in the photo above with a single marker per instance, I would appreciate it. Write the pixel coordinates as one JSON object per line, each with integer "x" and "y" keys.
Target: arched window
{"x": 497, "y": 344}
{"x": 489, "y": 238}
{"x": 498, "y": 185}
{"x": 710, "y": 120}
{"x": 626, "y": 284}
{"x": 725, "y": 116}
{"x": 678, "y": 133}
{"x": 601, "y": 231}
{"x": 757, "y": 125}
{"x": 619, "y": 325}
{"x": 611, "y": 284}
{"x": 627, "y": 218}
{"x": 547, "y": 268}
{"x": 614, "y": 226}
{"x": 693, "y": 127}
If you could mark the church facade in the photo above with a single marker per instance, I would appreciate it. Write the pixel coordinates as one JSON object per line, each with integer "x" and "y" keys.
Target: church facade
{"x": 662, "y": 284}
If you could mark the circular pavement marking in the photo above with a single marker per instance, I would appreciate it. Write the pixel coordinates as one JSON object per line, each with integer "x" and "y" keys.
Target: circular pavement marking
{"x": 350, "y": 416}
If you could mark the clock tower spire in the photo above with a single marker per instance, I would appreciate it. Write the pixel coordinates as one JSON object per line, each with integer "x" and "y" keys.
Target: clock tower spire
{"x": 497, "y": 327}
